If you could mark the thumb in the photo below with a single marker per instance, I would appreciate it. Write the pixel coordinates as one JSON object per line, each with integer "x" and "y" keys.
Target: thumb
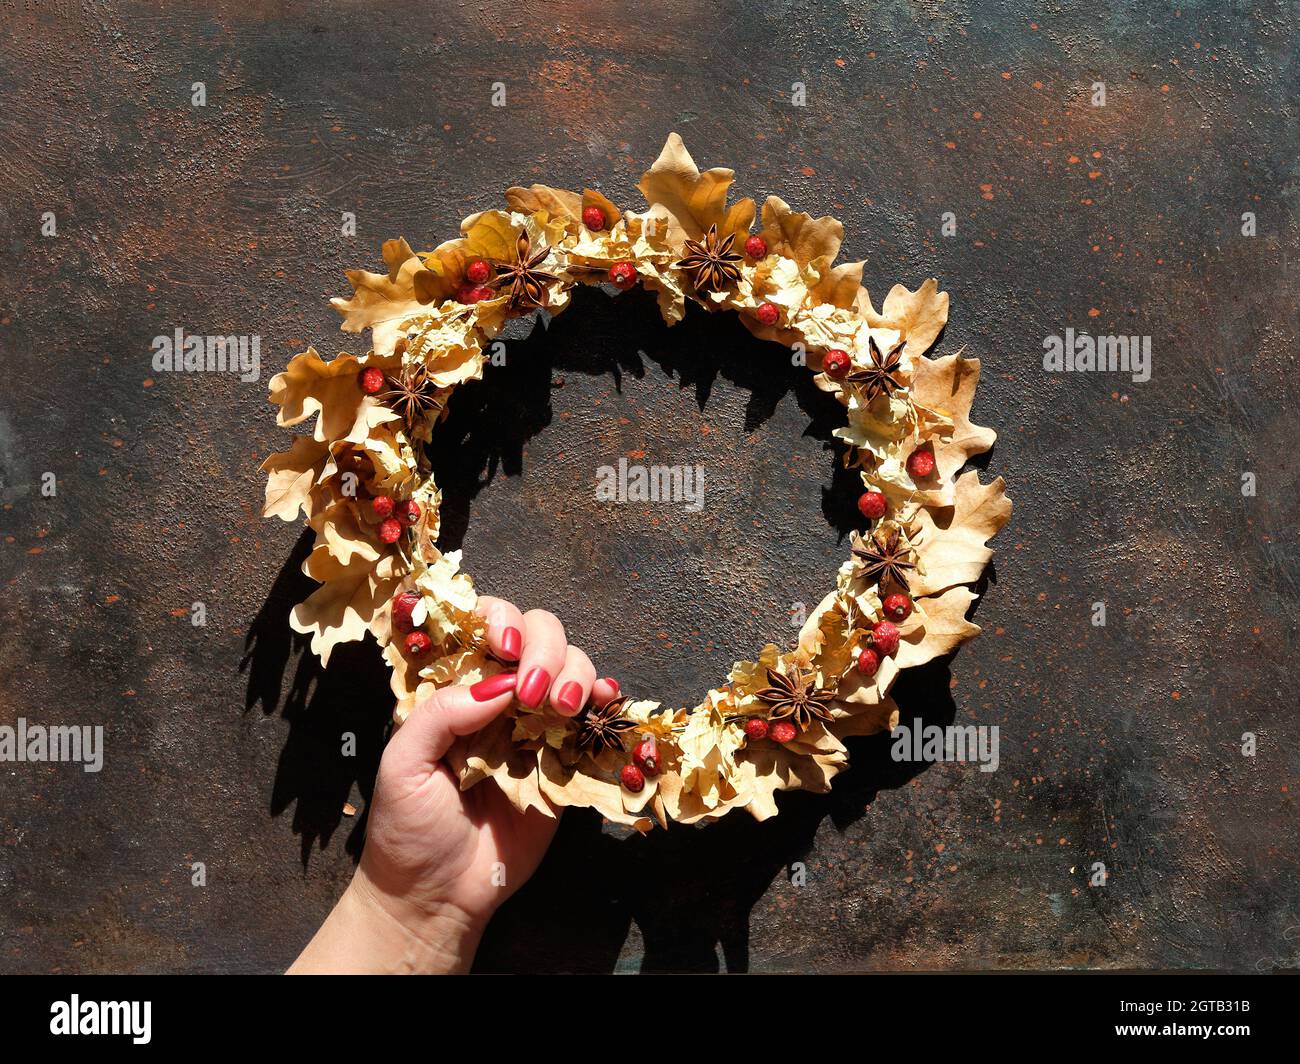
{"x": 419, "y": 744}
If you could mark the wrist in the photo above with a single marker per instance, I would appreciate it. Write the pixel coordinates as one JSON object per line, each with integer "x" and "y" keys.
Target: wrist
{"x": 428, "y": 937}
{"x": 372, "y": 932}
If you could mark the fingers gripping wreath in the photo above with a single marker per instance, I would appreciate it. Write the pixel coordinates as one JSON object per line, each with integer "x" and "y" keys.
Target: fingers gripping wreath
{"x": 362, "y": 480}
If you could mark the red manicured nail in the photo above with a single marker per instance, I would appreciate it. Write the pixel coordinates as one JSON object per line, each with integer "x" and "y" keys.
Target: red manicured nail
{"x": 511, "y": 641}
{"x": 534, "y": 688}
{"x": 570, "y": 696}
{"x": 614, "y": 684}
{"x": 493, "y": 686}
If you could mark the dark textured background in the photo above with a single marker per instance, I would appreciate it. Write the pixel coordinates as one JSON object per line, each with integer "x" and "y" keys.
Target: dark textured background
{"x": 1119, "y": 744}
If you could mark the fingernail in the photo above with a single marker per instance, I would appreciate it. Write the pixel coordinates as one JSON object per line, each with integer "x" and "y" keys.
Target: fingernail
{"x": 534, "y": 688}
{"x": 511, "y": 641}
{"x": 493, "y": 686}
{"x": 570, "y": 696}
{"x": 614, "y": 684}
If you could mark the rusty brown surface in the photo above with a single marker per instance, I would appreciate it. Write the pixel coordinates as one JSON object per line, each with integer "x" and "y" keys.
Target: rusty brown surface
{"x": 1119, "y": 744}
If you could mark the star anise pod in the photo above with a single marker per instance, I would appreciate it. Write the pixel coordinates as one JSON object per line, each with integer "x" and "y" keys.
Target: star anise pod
{"x": 884, "y": 562}
{"x": 878, "y": 376}
{"x": 601, "y": 728}
{"x": 412, "y": 394}
{"x": 527, "y": 283}
{"x": 712, "y": 263}
{"x": 797, "y": 697}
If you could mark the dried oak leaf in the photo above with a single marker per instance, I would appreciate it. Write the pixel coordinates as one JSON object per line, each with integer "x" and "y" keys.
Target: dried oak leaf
{"x": 940, "y": 627}
{"x": 492, "y": 752}
{"x": 808, "y": 762}
{"x": 570, "y": 785}
{"x": 339, "y": 530}
{"x": 694, "y": 201}
{"x": 291, "y": 484}
{"x": 381, "y": 301}
{"x": 560, "y": 204}
{"x": 947, "y": 385}
{"x": 920, "y": 316}
{"x": 801, "y": 237}
{"x": 950, "y": 541}
{"x": 310, "y": 385}
{"x": 340, "y": 610}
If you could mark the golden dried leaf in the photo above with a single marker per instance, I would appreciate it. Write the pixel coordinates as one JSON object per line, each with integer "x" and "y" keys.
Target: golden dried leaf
{"x": 291, "y": 485}
{"x": 340, "y": 610}
{"x": 920, "y": 316}
{"x": 800, "y": 236}
{"x": 951, "y": 541}
{"x": 310, "y": 385}
{"x": 694, "y": 200}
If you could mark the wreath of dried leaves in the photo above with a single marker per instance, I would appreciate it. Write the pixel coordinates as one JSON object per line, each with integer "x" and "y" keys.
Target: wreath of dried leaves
{"x": 430, "y": 315}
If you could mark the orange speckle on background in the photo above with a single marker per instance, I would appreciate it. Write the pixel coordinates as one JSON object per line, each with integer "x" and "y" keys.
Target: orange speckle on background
{"x": 1164, "y": 88}
{"x": 1006, "y": 75}
{"x": 1093, "y": 312}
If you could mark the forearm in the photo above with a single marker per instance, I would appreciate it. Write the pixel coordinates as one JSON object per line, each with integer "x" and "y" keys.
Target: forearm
{"x": 366, "y": 934}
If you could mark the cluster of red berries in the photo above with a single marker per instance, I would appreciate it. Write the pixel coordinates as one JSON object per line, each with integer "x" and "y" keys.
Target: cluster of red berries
{"x": 372, "y": 380}
{"x": 883, "y": 640}
{"x": 779, "y": 731}
{"x": 476, "y": 287}
{"x": 645, "y": 763}
{"x": 394, "y": 516}
{"x": 417, "y": 643}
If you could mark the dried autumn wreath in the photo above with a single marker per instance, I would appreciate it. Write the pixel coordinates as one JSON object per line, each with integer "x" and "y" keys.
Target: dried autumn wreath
{"x": 363, "y": 481}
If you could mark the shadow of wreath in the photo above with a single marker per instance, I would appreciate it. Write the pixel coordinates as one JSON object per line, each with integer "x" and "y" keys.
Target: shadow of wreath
{"x": 689, "y": 891}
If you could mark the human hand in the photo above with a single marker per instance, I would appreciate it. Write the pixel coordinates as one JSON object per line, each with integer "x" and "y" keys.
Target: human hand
{"x": 438, "y": 861}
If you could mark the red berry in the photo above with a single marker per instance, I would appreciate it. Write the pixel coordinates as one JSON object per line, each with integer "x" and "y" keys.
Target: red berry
{"x": 884, "y": 637}
{"x": 403, "y": 608}
{"x": 920, "y": 464}
{"x": 372, "y": 380}
{"x": 408, "y": 512}
{"x": 622, "y": 275}
{"x": 868, "y": 662}
{"x": 390, "y": 531}
{"x": 897, "y": 606}
{"x": 769, "y": 313}
{"x": 756, "y": 247}
{"x": 474, "y": 293}
{"x": 781, "y": 732}
{"x": 632, "y": 778}
{"x": 646, "y": 756}
{"x": 593, "y": 218}
{"x": 382, "y": 505}
{"x": 871, "y": 505}
{"x": 478, "y": 272}
{"x": 418, "y": 644}
{"x": 755, "y": 728}
{"x": 836, "y": 363}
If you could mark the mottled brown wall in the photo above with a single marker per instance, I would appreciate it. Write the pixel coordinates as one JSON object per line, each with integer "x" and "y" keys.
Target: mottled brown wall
{"x": 1119, "y": 744}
